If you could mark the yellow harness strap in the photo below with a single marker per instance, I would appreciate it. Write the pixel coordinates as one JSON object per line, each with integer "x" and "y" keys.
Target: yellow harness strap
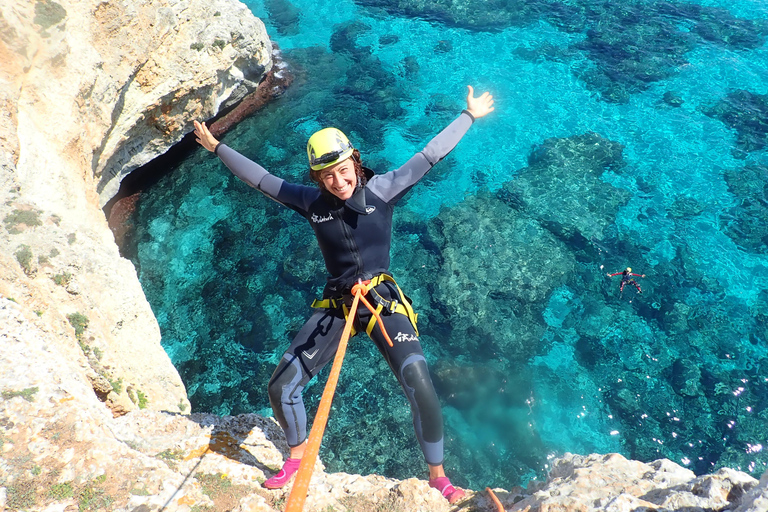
{"x": 327, "y": 304}
{"x": 393, "y": 306}
{"x": 334, "y": 304}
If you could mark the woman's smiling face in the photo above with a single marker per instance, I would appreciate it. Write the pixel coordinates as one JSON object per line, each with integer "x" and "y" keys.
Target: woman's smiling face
{"x": 340, "y": 179}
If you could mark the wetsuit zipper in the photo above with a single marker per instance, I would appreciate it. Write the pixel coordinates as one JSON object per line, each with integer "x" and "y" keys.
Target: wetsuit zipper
{"x": 351, "y": 244}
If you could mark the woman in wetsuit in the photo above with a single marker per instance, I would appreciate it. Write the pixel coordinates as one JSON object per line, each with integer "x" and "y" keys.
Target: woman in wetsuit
{"x": 351, "y": 214}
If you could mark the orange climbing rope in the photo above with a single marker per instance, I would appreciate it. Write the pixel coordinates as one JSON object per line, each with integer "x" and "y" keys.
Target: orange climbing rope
{"x": 300, "y": 486}
{"x": 499, "y": 508}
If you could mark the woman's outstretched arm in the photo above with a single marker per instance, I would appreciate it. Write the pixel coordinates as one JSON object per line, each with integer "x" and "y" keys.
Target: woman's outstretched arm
{"x": 293, "y": 196}
{"x": 391, "y": 186}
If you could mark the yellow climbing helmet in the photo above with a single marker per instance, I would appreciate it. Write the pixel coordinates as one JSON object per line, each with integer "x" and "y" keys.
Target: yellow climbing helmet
{"x": 629, "y": 269}
{"x": 327, "y": 147}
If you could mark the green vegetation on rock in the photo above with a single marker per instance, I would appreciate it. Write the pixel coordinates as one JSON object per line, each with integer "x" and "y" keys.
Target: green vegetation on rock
{"x": 17, "y": 218}
{"x": 24, "y": 257}
{"x": 27, "y": 394}
{"x": 62, "y": 279}
{"x": 48, "y": 13}
{"x": 79, "y": 322}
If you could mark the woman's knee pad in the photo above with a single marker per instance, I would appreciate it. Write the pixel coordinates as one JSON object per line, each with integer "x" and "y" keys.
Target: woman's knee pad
{"x": 285, "y": 380}
{"x": 421, "y": 393}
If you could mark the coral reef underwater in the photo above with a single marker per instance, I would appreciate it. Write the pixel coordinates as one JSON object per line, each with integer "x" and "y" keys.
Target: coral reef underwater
{"x": 629, "y": 45}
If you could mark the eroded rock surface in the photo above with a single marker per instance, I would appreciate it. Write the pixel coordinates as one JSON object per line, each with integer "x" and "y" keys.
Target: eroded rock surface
{"x": 90, "y": 90}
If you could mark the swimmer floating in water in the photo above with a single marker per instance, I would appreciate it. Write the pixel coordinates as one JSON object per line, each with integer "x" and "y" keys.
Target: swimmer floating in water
{"x": 626, "y": 278}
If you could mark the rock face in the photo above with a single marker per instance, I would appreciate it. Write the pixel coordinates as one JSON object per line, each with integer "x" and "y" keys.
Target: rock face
{"x": 131, "y": 75}
{"x": 91, "y": 90}
{"x": 611, "y": 482}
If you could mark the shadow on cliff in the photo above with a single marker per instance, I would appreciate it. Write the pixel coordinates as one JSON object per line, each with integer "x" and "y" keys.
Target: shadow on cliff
{"x": 238, "y": 438}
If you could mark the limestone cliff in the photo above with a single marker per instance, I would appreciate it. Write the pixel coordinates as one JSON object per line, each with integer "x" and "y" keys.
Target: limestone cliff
{"x": 91, "y": 90}
{"x": 93, "y": 416}
{"x": 110, "y": 85}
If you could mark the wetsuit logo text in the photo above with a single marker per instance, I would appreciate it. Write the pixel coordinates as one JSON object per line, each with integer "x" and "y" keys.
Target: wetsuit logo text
{"x": 317, "y": 219}
{"x": 405, "y": 338}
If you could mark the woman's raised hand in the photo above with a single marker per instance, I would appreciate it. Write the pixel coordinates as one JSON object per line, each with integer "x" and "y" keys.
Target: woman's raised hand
{"x": 480, "y": 106}
{"x": 204, "y": 136}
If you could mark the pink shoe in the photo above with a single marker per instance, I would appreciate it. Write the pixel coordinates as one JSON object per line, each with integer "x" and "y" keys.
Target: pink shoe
{"x": 448, "y": 491}
{"x": 290, "y": 467}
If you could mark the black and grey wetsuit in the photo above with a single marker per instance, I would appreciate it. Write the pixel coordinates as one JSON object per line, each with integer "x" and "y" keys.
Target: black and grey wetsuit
{"x": 354, "y": 238}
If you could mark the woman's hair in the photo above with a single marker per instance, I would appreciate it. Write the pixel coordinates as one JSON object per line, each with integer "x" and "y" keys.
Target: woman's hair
{"x": 361, "y": 179}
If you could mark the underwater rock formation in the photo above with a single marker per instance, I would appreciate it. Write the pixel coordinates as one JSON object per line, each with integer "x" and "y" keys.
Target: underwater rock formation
{"x": 745, "y": 112}
{"x": 746, "y": 224}
{"x": 673, "y": 99}
{"x": 562, "y": 187}
{"x": 634, "y": 45}
{"x": 369, "y": 86}
{"x": 474, "y": 14}
{"x": 497, "y": 268}
{"x": 629, "y": 45}
{"x": 717, "y": 25}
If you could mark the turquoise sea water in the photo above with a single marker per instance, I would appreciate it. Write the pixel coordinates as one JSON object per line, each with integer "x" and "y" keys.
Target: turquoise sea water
{"x": 633, "y": 134}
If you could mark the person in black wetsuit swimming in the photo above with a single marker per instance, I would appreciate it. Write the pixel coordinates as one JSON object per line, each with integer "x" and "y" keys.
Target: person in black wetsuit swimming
{"x": 626, "y": 278}
{"x": 351, "y": 214}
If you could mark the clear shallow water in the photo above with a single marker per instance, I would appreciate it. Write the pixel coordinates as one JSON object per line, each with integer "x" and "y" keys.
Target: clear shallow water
{"x": 504, "y": 246}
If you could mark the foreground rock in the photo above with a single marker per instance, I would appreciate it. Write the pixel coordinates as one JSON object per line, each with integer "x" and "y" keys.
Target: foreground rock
{"x": 611, "y": 482}
{"x": 63, "y": 450}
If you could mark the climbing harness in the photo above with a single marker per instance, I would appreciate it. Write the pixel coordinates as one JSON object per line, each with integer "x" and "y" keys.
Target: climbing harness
{"x": 402, "y": 306}
{"x": 299, "y": 492}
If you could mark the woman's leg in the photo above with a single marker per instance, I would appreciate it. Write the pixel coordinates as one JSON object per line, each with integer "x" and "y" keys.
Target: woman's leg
{"x": 312, "y": 348}
{"x": 407, "y": 362}
{"x": 406, "y": 359}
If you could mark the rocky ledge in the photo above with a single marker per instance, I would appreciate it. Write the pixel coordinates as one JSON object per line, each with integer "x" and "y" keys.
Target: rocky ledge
{"x": 93, "y": 415}
{"x": 62, "y": 449}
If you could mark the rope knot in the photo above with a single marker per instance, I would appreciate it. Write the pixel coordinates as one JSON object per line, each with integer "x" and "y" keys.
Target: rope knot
{"x": 360, "y": 287}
